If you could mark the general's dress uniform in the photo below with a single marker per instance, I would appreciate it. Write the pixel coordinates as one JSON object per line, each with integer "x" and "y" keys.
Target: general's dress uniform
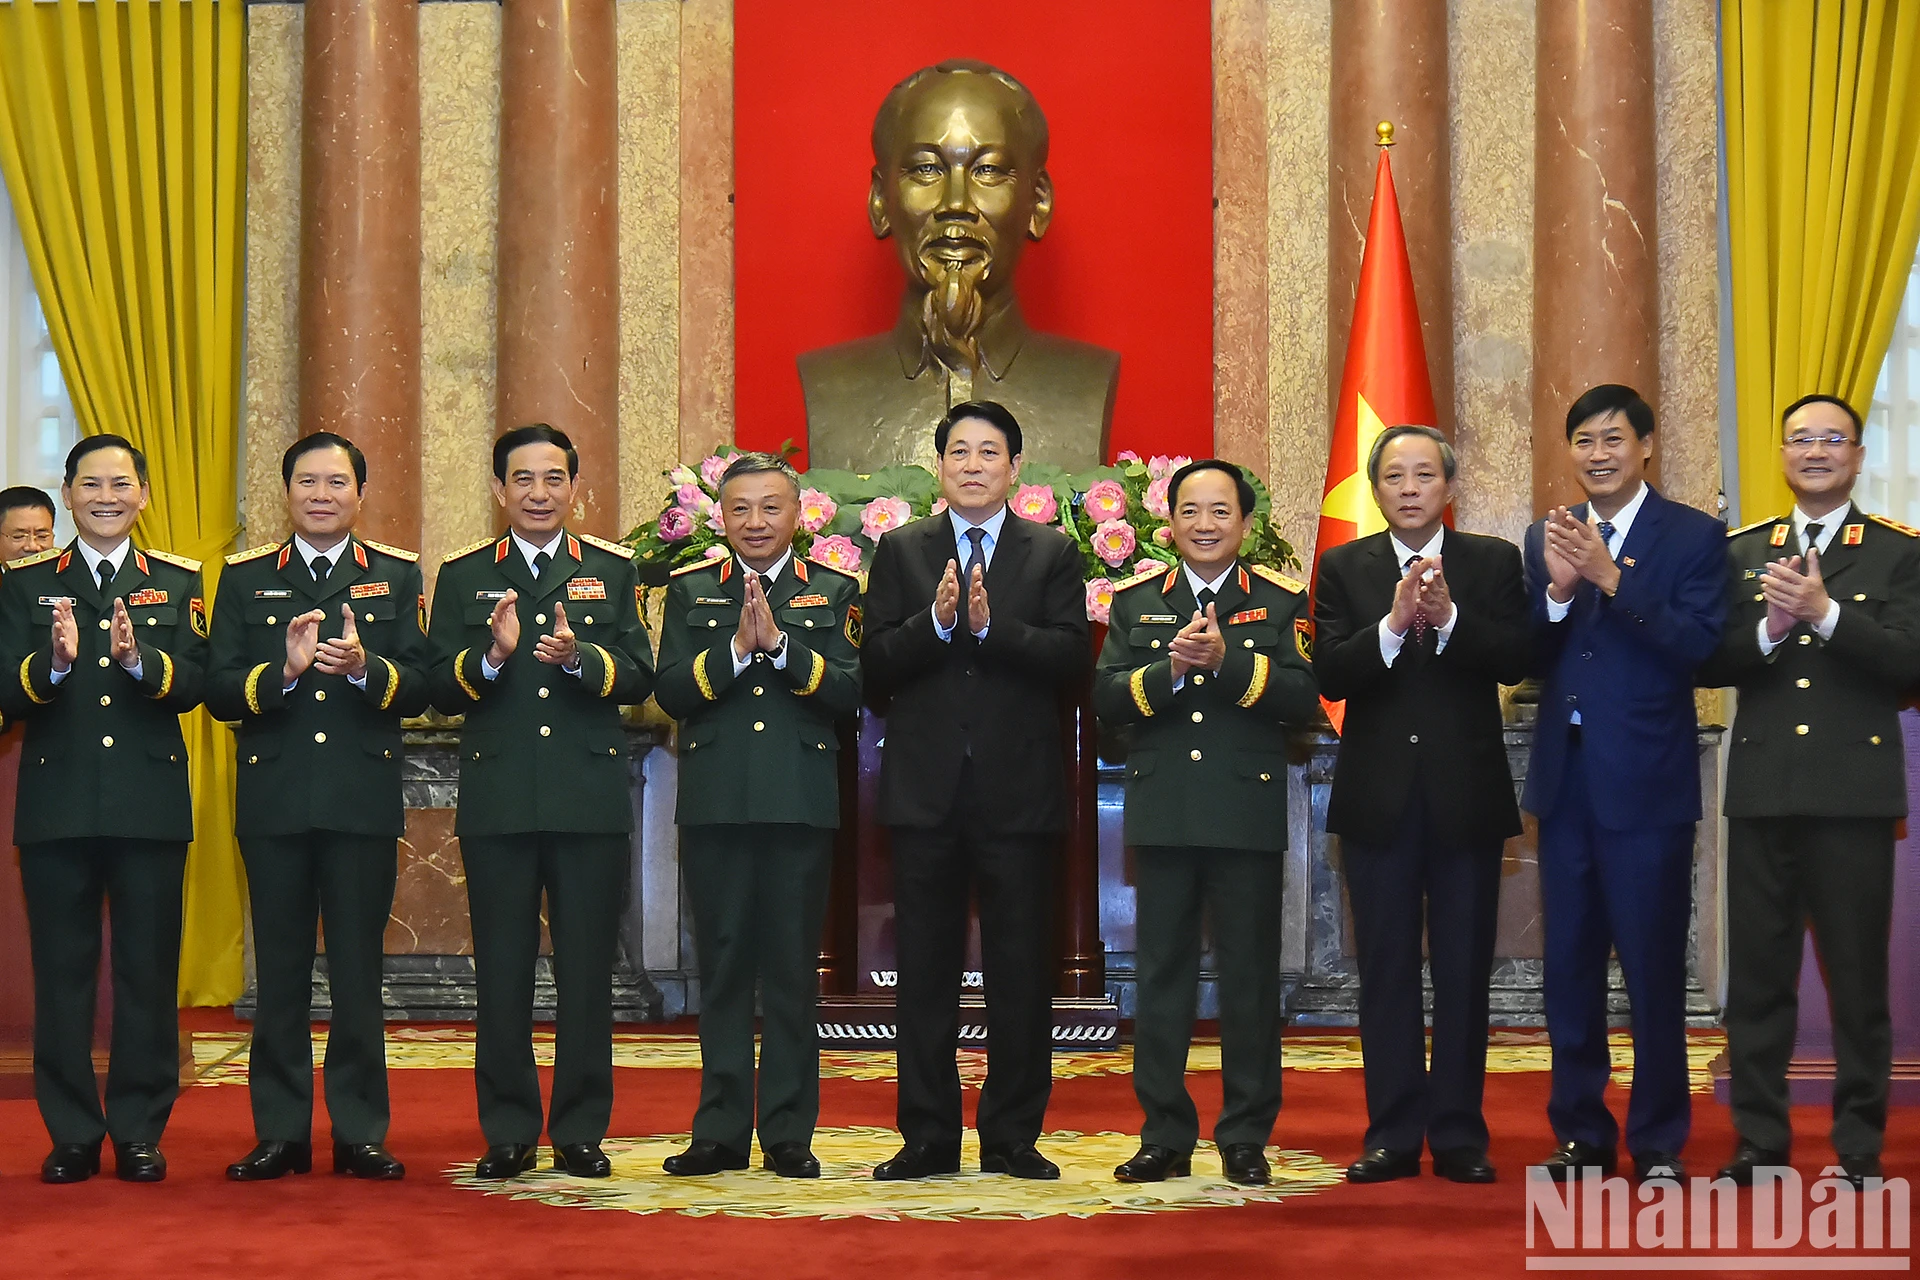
{"x": 104, "y": 811}
{"x": 546, "y": 804}
{"x": 1816, "y": 780}
{"x": 318, "y": 813}
{"x": 758, "y": 806}
{"x": 1206, "y": 795}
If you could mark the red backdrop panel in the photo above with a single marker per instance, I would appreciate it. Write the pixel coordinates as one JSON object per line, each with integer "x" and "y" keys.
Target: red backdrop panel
{"x": 1128, "y": 263}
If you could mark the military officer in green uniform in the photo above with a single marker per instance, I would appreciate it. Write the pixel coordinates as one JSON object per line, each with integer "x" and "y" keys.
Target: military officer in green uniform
{"x": 102, "y": 646}
{"x": 317, "y": 654}
{"x": 758, "y": 658}
{"x": 1823, "y": 645}
{"x": 1204, "y": 667}
{"x": 536, "y": 639}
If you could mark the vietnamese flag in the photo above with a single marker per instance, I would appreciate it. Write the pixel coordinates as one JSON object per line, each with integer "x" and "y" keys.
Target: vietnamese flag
{"x": 1384, "y": 383}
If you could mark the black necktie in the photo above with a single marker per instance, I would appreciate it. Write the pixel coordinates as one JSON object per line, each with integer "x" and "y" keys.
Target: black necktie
{"x": 976, "y": 557}
{"x": 106, "y": 576}
{"x": 1812, "y": 539}
{"x": 1204, "y": 597}
{"x": 540, "y": 563}
{"x": 766, "y": 586}
{"x": 321, "y": 568}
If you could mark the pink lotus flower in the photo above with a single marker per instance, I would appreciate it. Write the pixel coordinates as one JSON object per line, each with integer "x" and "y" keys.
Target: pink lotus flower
{"x": 714, "y": 522}
{"x": 717, "y": 552}
{"x": 1114, "y": 542}
{"x": 882, "y": 515}
{"x": 817, "y": 510}
{"x": 690, "y": 496}
{"x": 683, "y": 474}
{"x": 1163, "y": 536}
{"x": 676, "y": 523}
{"x": 1106, "y": 500}
{"x": 1036, "y": 502}
{"x": 836, "y": 552}
{"x": 1099, "y": 600}
{"x": 1147, "y": 564}
{"x": 938, "y": 507}
{"x": 1155, "y": 498}
{"x": 1126, "y": 456}
{"x": 1159, "y": 465}
{"x": 711, "y": 469}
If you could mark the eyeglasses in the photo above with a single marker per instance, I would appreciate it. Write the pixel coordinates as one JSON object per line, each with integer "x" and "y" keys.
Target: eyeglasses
{"x": 1807, "y": 442}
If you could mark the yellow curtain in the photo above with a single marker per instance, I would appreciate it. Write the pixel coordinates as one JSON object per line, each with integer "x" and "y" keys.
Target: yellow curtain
{"x": 122, "y": 141}
{"x": 1823, "y": 207}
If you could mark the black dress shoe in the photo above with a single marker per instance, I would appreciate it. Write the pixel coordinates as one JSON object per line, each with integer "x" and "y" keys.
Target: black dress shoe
{"x": 1857, "y": 1169}
{"x": 1246, "y": 1164}
{"x": 367, "y": 1160}
{"x": 139, "y": 1162}
{"x": 507, "y": 1160}
{"x": 918, "y": 1160}
{"x": 1383, "y": 1164}
{"x": 1650, "y": 1166}
{"x": 1747, "y": 1157}
{"x": 1155, "y": 1164}
{"x": 703, "y": 1157}
{"x": 1019, "y": 1162}
{"x": 790, "y": 1160}
{"x": 71, "y": 1162}
{"x": 1463, "y": 1164}
{"x": 582, "y": 1160}
{"x": 1569, "y": 1158}
{"x": 270, "y": 1160}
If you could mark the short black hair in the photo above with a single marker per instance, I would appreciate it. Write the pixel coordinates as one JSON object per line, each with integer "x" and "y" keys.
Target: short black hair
{"x": 1610, "y": 398}
{"x": 753, "y": 464}
{"x": 533, "y": 433}
{"x": 15, "y": 497}
{"x": 322, "y": 440}
{"x": 1853, "y": 415}
{"x": 94, "y": 444}
{"x": 988, "y": 411}
{"x": 1242, "y": 487}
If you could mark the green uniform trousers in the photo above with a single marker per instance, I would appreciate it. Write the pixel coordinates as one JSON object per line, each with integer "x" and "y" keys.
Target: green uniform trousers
{"x": 142, "y": 883}
{"x": 584, "y": 878}
{"x": 1240, "y": 889}
{"x": 294, "y": 882}
{"x": 1838, "y": 874}
{"x": 759, "y": 894}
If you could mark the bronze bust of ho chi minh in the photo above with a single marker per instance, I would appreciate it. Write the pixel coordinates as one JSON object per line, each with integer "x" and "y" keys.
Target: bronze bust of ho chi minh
{"x": 960, "y": 183}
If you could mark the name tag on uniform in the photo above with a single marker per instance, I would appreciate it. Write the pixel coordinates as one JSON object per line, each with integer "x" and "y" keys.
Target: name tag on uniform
{"x": 146, "y": 596}
{"x": 712, "y": 600}
{"x": 58, "y": 600}
{"x": 364, "y": 590}
{"x": 1248, "y": 615}
{"x": 1169, "y": 619}
{"x": 489, "y": 595}
{"x": 806, "y": 602}
{"x": 586, "y": 589}
{"x": 274, "y": 594}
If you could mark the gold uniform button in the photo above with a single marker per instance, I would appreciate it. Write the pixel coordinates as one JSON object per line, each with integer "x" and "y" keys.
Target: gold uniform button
{"x": 319, "y": 737}
{"x": 1759, "y": 597}
{"x": 105, "y": 624}
{"x": 545, "y": 692}
{"x": 1194, "y": 754}
{"x": 1875, "y": 739}
{"x": 759, "y": 726}
{"x": 588, "y": 620}
{"x": 253, "y": 759}
{"x": 540, "y": 618}
{"x": 1154, "y": 645}
{"x": 319, "y": 695}
{"x": 103, "y": 660}
{"x": 1861, "y": 596}
{"x": 107, "y": 741}
{"x": 153, "y": 622}
{"x": 546, "y": 731}
{"x": 713, "y": 622}
{"x": 1198, "y": 717}
{"x": 105, "y": 701}
{"x": 1806, "y": 639}
{"x": 758, "y": 690}
{"x": 271, "y": 619}
{"x": 1803, "y": 683}
{"x": 1266, "y": 777}
{"x": 1247, "y": 643}
{"x": 1800, "y": 729}
{"x": 1199, "y": 679}
{"x": 823, "y": 746}
{"x": 369, "y": 617}
{"x": 807, "y": 623}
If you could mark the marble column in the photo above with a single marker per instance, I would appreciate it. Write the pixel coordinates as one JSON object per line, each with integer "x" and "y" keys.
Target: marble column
{"x": 1390, "y": 63}
{"x": 558, "y": 330}
{"x": 1596, "y": 287}
{"x": 360, "y": 247}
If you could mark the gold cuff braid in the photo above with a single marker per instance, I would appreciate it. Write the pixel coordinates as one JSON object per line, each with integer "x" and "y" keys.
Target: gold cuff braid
{"x": 815, "y": 676}
{"x": 460, "y": 674}
{"x": 700, "y": 675}
{"x": 26, "y": 682}
{"x": 606, "y": 670}
{"x": 1137, "y": 685}
{"x": 253, "y": 688}
{"x": 166, "y": 675}
{"x": 393, "y": 684}
{"x": 1257, "y": 686}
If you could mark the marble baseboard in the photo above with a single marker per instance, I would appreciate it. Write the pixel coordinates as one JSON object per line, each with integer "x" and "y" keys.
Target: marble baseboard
{"x": 417, "y": 988}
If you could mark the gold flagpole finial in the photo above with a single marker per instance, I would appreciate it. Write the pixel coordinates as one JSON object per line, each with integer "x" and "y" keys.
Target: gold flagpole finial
{"x": 1384, "y": 133}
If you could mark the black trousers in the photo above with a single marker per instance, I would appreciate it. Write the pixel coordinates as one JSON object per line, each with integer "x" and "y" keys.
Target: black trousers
{"x": 1781, "y": 874}
{"x": 1454, "y": 892}
{"x": 293, "y": 883}
{"x": 759, "y": 893}
{"x": 142, "y": 883}
{"x": 1241, "y": 892}
{"x": 584, "y": 878}
{"x": 1012, "y": 875}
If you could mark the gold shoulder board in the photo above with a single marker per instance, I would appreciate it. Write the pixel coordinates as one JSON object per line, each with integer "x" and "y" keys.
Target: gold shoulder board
{"x": 697, "y": 564}
{"x": 398, "y": 553}
{"x": 1895, "y": 525}
{"x": 620, "y": 549}
{"x": 1279, "y": 579}
{"x": 191, "y": 566}
{"x": 35, "y": 558}
{"x": 468, "y": 550}
{"x": 814, "y": 566}
{"x": 1748, "y": 528}
{"x": 1150, "y": 575}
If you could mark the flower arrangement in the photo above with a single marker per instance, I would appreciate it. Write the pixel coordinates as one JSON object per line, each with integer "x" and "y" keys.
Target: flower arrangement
{"x": 1117, "y": 516}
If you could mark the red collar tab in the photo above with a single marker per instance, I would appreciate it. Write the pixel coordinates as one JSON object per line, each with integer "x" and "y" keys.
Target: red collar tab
{"x": 573, "y": 547}
{"x": 66, "y": 558}
{"x": 286, "y": 554}
{"x": 359, "y": 555}
{"x": 501, "y": 548}
{"x": 1173, "y": 576}
{"x": 141, "y": 561}
{"x": 726, "y": 568}
{"x": 1246, "y": 583}
{"x": 800, "y": 568}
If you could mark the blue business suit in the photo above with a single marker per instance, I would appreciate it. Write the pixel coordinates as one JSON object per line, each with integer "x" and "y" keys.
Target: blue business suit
{"x": 1617, "y": 803}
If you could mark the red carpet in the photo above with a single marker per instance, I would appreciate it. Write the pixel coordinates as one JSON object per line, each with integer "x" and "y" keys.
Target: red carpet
{"x": 197, "y": 1224}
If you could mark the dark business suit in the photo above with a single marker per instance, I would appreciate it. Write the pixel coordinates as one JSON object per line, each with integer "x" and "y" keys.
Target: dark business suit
{"x": 972, "y": 787}
{"x": 1423, "y": 802}
{"x": 1617, "y": 802}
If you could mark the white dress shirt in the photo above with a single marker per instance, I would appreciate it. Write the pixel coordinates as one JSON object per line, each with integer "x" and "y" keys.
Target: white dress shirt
{"x": 1391, "y": 640}
{"x": 116, "y": 557}
{"x": 779, "y": 656}
{"x": 308, "y": 553}
{"x": 1622, "y": 522}
{"x": 527, "y": 552}
{"x": 1829, "y": 525}
{"x": 963, "y": 548}
{"x": 1197, "y": 584}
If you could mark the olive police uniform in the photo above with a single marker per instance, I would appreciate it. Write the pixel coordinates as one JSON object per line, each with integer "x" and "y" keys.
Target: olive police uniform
{"x": 318, "y": 814}
{"x": 1816, "y": 780}
{"x": 758, "y": 806}
{"x": 546, "y": 804}
{"x": 1206, "y": 796}
{"x": 104, "y": 811}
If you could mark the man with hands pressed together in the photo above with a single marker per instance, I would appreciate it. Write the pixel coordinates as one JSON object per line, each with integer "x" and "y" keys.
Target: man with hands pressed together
{"x": 318, "y": 810}
{"x": 103, "y": 647}
{"x": 973, "y": 787}
{"x": 1416, "y": 628}
{"x": 1205, "y": 665}
{"x": 536, "y": 639}
{"x": 759, "y": 656}
{"x": 1627, "y": 593}
{"x": 1823, "y": 644}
